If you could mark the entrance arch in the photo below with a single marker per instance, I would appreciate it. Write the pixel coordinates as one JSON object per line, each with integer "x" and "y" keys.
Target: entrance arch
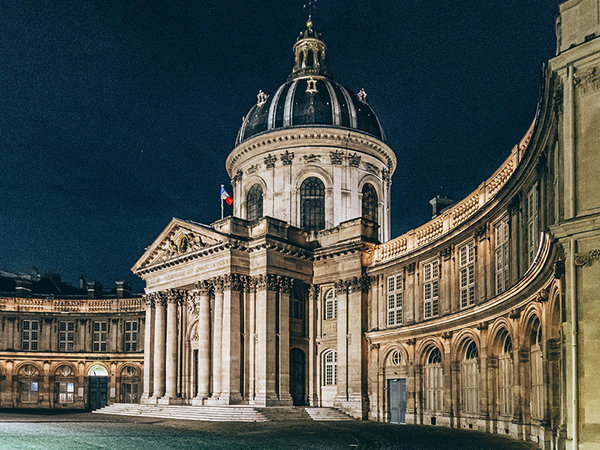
{"x": 98, "y": 387}
{"x": 298, "y": 377}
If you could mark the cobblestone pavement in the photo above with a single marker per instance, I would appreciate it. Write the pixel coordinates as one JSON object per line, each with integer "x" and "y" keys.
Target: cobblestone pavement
{"x": 83, "y": 430}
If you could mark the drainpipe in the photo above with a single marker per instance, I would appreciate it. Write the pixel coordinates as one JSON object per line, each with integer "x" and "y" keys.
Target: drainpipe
{"x": 574, "y": 350}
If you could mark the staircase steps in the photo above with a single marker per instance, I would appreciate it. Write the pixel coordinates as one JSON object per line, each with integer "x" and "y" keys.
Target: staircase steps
{"x": 327, "y": 414}
{"x": 203, "y": 413}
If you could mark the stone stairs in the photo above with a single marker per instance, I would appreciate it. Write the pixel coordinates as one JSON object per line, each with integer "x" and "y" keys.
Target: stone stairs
{"x": 205, "y": 413}
{"x": 327, "y": 414}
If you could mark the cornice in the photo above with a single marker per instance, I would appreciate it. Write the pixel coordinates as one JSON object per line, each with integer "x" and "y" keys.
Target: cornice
{"x": 288, "y": 139}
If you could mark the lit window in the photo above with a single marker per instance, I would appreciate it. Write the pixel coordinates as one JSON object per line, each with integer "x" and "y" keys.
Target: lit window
{"x": 99, "y": 337}
{"x": 467, "y": 275}
{"x": 66, "y": 334}
{"x": 394, "y": 302}
{"x": 312, "y": 204}
{"x": 66, "y": 392}
{"x": 430, "y": 289}
{"x": 131, "y": 334}
{"x": 330, "y": 305}
{"x": 254, "y": 203}
{"x": 30, "y": 330}
{"x": 29, "y": 391}
{"x": 501, "y": 239}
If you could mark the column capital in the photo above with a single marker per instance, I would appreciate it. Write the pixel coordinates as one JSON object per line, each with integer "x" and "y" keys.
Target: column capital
{"x": 314, "y": 290}
{"x": 284, "y": 284}
{"x": 340, "y": 286}
{"x": 176, "y": 296}
{"x": 266, "y": 281}
{"x": 149, "y": 300}
{"x": 358, "y": 284}
{"x": 202, "y": 287}
{"x": 233, "y": 281}
{"x": 217, "y": 284}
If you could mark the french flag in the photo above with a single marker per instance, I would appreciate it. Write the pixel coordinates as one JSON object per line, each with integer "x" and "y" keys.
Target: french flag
{"x": 225, "y": 196}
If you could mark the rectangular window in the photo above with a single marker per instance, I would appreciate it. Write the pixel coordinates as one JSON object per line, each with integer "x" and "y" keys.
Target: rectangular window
{"x": 66, "y": 334}
{"x": 505, "y": 383}
{"x": 29, "y": 392}
{"x": 532, "y": 224}
{"x": 501, "y": 239}
{"x": 30, "y": 334}
{"x": 131, "y": 333}
{"x": 430, "y": 289}
{"x": 467, "y": 275}
{"x": 394, "y": 303}
{"x": 99, "y": 336}
{"x": 66, "y": 392}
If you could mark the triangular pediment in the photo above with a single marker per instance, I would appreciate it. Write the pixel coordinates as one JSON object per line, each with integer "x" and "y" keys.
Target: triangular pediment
{"x": 179, "y": 237}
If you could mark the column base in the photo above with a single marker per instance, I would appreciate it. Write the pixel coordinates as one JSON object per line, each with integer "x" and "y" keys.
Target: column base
{"x": 151, "y": 400}
{"x": 199, "y": 401}
{"x": 167, "y": 400}
{"x": 271, "y": 400}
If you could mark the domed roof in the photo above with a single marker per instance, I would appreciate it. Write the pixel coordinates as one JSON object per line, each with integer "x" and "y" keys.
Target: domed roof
{"x": 310, "y": 97}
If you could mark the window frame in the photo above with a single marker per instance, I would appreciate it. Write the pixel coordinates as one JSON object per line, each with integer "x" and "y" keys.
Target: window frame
{"x": 532, "y": 225}
{"x": 370, "y": 203}
{"x": 501, "y": 255}
{"x": 467, "y": 257}
{"x": 100, "y": 336}
{"x": 330, "y": 368}
{"x": 254, "y": 202}
{"x": 431, "y": 288}
{"x": 30, "y": 334}
{"x": 312, "y": 204}
{"x": 395, "y": 298}
{"x": 330, "y": 305}
{"x": 131, "y": 336}
{"x": 66, "y": 336}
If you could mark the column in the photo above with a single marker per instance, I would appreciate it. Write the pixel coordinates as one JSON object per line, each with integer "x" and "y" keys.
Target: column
{"x": 160, "y": 333}
{"x": 230, "y": 344}
{"x": 217, "y": 330}
{"x": 174, "y": 298}
{"x": 203, "y": 305}
{"x": 311, "y": 360}
{"x": 148, "y": 347}
{"x": 285, "y": 285}
{"x": 342, "y": 343}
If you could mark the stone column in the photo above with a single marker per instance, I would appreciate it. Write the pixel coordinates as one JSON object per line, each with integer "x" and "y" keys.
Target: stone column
{"x": 174, "y": 298}
{"x": 285, "y": 285}
{"x": 160, "y": 334}
{"x": 148, "y": 348}
{"x": 342, "y": 341}
{"x": 311, "y": 360}
{"x": 203, "y": 305}
{"x": 217, "y": 333}
{"x": 230, "y": 344}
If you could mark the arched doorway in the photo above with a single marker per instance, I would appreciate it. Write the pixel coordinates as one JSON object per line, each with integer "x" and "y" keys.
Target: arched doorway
{"x": 297, "y": 377}
{"x": 98, "y": 387}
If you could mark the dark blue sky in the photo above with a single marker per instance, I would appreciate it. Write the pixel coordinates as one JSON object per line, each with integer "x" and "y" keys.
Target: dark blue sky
{"x": 117, "y": 115}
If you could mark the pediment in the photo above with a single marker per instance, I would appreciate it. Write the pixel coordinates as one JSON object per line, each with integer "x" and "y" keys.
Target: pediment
{"x": 179, "y": 238}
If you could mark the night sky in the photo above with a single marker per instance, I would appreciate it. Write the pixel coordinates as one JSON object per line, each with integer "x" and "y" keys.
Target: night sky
{"x": 117, "y": 115}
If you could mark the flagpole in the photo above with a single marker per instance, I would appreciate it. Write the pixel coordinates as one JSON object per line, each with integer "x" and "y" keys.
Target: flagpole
{"x": 221, "y": 202}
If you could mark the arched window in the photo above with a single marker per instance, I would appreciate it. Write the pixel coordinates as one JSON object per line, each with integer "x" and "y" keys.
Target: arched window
{"x": 369, "y": 203}
{"x": 330, "y": 305}
{"x": 254, "y": 203}
{"x": 537, "y": 371}
{"x": 505, "y": 378}
{"x": 312, "y": 204}
{"x": 434, "y": 383}
{"x": 330, "y": 372}
{"x": 468, "y": 379}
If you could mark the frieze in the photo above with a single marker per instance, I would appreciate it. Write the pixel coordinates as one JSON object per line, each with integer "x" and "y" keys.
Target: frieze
{"x": 337, "y": 157}
{"x": 588, "y": 79}
{"x": 354, "y": 160}
{"x": 287, "y": 158}
{"x": 270, "y": 161}
{"x": 312, "y": 158}
{"x": 582, "y": 259}
{"x": 253, "y": 169}
{"x": 372, "y": 168}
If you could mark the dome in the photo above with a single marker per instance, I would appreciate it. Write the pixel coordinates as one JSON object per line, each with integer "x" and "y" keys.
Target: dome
{"x": 310, "y": 97}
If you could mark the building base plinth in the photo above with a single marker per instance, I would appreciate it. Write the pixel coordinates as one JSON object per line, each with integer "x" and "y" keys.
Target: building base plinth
{"x": 170, "y": 400}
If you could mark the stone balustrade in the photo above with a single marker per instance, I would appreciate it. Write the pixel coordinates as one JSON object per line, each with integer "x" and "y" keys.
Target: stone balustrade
{"x": 72, "y": 305}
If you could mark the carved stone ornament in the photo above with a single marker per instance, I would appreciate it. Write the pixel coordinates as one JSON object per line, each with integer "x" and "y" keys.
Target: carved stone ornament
{"x": 359, "y": 284}
{"x": 253, "y": 169}
{"x": 581, "y": 259}
{"x": 515, "y": 314}
{"x": 261, "y": 98}
{"x": 65, "y": 371}
{"x": 29, "y": 370}
{"x": 284, "y": 284}
{"x": 337, "y": 157}
{"x": 311, "y": 85}
{"x": 371, "y": 168}
{"x": 314, "y": 290}
{"x": 312, "y": 158}
{"x": 287, "y": 158}
{"x": 482, "y": 326}
{"x": 446, "y": 252}
{"x": 410, "y": 268}
{"x": 268, "y": 282}
{"x": 238, "y": 176}
{"x": 192, "y": 305}
{"x": 233, "y": 281}
{"x": 270, "y": 161}
{"x": 354, "y": 160}
{"x": 385, "y": 175}
{"x": 558, "y": 97}
{"x": 542, "y": 296}
{"x": 362, "y": 95}
{"x": 481, "y": 232}
{"x": 446, "y": 334}
{"x": 149, "y": 300}
{"x": 340, "y": 286}
{"x": 194, "y": 336}
{"x": 176, "y": 296}
{"x": 411, "y": 341}
{"x": 203, "y": 287}
{"x": 588, "y": 79}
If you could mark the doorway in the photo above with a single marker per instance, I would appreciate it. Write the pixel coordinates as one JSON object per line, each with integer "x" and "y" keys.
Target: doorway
{"x": 397, "y": 400}
{"x": 298, "y": 377}
{"x": 98, "y": 387}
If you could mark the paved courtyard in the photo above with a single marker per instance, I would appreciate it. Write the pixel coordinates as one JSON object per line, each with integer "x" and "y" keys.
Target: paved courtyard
{"x": 82, "y": 430}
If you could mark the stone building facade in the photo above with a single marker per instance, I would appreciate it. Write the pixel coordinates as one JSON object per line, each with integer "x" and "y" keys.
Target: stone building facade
{"x": 482, "y": 318}
{"x": 73, "y": 352}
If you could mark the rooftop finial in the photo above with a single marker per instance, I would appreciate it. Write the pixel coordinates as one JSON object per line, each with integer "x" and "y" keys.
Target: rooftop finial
{"x": 310, "y": 6}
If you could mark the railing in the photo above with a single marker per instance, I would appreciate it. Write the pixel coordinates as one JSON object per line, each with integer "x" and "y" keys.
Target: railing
{"x": 68, "y": 305}
{"x": 457, "y": 214}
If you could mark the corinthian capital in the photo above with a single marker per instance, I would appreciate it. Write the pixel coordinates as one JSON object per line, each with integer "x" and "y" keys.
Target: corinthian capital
{"x": 202, "y": 287}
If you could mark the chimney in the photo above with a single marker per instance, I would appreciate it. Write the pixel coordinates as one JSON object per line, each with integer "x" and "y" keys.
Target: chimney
{"x": 94, "y": 289}
{"x": 438, "y": 204}
{"x": 123, "y": 289}
{"x": 23, "y": 287}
